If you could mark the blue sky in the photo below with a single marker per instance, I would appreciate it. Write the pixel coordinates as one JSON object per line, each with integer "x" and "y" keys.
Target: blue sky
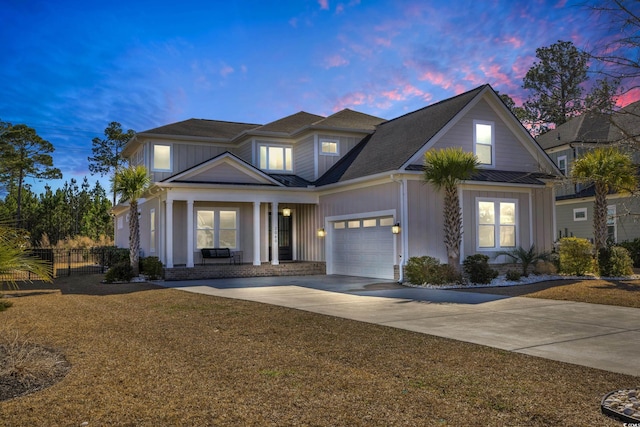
{"x": 68, "y": 68}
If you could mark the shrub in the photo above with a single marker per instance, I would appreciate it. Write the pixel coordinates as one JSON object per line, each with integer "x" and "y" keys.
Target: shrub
{"x": 477, "y": 269}
{"x": 152, "y": 267}
{"x": 513, "y": 275}
{"x": 121, "y": 272}
{"x": 426, "y": 269}
{"x": 614, "y": 261}
{"x": 634, "y": 250}
{"x": 575, "y": 256}
{"x": 4, "y": 303}
{"x": 546, "y": 267}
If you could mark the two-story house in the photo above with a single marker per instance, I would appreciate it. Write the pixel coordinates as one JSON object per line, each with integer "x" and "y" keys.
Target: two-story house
{"x": 574, "y": 202}
{"x": 345, "y": 191}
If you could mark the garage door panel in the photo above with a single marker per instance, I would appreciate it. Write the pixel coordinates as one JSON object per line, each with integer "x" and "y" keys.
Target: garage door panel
{"x": 363, "y": 251}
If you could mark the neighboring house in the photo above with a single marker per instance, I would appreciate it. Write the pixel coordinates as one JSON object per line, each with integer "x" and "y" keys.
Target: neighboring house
{"x": 329, "y": 189}
{"x": 574, "y": 202}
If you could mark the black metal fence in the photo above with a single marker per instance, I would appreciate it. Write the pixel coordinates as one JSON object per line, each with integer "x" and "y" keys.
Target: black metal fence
{"x": 67, "y": 262}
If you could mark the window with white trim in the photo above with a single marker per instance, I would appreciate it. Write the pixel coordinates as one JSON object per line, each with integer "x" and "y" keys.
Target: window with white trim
{"x": 484, "y": 142}
{"x": 152, "y": 230}
{"x": 276, "y": 158}
{"x": 580, "y": 214}
{"x": 330, "y": 147}
{"x": 562, "y": 164}
{"x": 497, "y": 224}
{"x": 162, "y": 160}
{"x": 216, "y": 228}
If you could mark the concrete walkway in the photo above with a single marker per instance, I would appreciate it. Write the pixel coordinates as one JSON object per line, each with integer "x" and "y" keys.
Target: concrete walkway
{"x": 598, "y": 336}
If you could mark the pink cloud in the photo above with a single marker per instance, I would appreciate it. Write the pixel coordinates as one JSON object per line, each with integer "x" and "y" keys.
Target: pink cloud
{"x": 494, "y": 73}
{"x": 350, "y": 100}
{"x": 436, "y": 78}
{"x": 335, "y": 61}
{"x": 393, "y": 95}
{"x": 324, "y": 4}
{"x": 379, "y": 41}
{"x": 628, "y": 97}
{"x": 514, "y": 41}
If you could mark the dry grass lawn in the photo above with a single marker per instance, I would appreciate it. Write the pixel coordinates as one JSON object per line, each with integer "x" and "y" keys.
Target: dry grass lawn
{"x": 145, "y": 356}
{"x": 612, "y": 292}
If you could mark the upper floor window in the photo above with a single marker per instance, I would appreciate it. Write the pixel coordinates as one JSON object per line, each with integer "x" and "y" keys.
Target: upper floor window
{"x": 329, "y": 147}
{"x": 483, "y": 142}
{"x": 497, "y": 224}
{"x": 562, "y": 164}
{"x": 276, "y": 158}
{"x": 162, "y": 160}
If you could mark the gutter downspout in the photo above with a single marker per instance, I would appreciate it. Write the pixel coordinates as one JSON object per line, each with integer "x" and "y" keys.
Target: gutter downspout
{"x": 404, "y": 220}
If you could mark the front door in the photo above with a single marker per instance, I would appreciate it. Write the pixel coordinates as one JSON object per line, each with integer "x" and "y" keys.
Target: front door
{"x": 284, "y": 238}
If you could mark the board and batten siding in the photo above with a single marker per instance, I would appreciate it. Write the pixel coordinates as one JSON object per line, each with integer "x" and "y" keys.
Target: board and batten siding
{"x": 243, "y": 151}
{"x": 303, "y": 159}
{"x": 426, "y": 221}
{"x": 510, "y": 154}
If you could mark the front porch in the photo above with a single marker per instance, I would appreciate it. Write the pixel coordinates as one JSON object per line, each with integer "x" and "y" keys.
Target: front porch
{"x": 223, "y": 271}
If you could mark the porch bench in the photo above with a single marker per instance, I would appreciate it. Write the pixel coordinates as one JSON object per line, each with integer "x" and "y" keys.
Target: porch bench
{"x": 216, "y": 253}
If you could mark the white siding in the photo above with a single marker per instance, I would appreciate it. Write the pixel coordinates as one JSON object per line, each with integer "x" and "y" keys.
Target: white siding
{"x": 303, "y": 159}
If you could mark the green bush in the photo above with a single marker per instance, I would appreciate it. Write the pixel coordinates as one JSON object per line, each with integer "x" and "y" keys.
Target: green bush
{"x": 477, "y": 269}
{"x": 575, "y": 256}
{"x": 634, "y": 250}
{"x": 513, "y": 275}
{"x": 4, "y": 303}
{"x": 614, "y": 261}
{"x": 121, "y": 272}
{"x": 426, "y": 269}
{"x": 152, "y": 267}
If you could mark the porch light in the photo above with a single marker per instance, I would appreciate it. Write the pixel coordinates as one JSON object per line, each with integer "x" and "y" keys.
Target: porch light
{"x": 286, "y": 212}
{"x": 395, "y": 229}
{"x": 321, "y": 232}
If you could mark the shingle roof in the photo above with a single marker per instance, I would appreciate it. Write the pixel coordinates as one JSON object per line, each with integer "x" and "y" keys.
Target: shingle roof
{"x": 349, "y": 119}
{"x": 290, "y": 180}
{"x": 203, "y": 128}
{"x": 396, "y": 141}
{"x": 291, "y": 123}
{"x": 594, "y": 127}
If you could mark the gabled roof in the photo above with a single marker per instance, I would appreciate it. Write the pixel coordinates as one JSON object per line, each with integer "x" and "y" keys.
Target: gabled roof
{"x": 394, "y": 142}
{"x": 349, "y": 119}
{"x": 593, "y": 127}
{"x": 202, "y": 128}
{"x": 290, "y": 123}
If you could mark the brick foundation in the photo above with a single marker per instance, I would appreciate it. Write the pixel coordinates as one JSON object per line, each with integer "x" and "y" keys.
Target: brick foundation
{"x": 224, "y": 271}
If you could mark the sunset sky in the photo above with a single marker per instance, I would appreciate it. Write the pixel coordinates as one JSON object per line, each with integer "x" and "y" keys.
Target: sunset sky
{"x": 68, "y": 68}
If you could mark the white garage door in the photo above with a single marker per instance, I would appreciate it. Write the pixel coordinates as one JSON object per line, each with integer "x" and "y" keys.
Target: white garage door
{"x": 363, "y": 247}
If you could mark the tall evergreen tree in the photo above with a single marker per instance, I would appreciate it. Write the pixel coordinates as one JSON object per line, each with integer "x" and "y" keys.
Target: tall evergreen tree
{"x": 24, "y": 154}
{"x": 107, "y": 153}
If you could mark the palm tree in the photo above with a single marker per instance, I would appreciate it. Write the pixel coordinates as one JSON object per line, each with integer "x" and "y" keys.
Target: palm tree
{"x": 131, "y": 183}
{"x": 15, "y": 257}
{"x": 526, "y": 257}
{"x": 609, "y": 169}
{"x": 445, "y": 169}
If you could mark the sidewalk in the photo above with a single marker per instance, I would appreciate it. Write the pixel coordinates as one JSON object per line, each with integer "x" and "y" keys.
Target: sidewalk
{"x": 598, "y": 336}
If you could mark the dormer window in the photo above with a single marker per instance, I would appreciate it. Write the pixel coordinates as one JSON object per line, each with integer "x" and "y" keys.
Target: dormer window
{"x": 329, "y": 147}
{"x": 562, "y": 164}
{"x": 276, "y": 158}
{"x": 483, "y": 142}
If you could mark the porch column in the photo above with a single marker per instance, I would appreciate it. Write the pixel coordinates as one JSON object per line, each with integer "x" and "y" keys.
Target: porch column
{"x": 189, "y": 233}
{"x": 274, "y": 233}
{"x": 169, "y": 233}
{"x": 256, "y": 233}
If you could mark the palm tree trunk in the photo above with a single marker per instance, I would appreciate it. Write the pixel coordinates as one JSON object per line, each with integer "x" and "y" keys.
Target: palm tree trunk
{"x": 600, "y": 216}
{"x": 452, "y": 226}
{"x": 134, "y": 237}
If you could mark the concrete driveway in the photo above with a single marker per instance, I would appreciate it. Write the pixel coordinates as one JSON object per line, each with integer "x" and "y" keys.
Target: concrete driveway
{"x": 598, "y": 336}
